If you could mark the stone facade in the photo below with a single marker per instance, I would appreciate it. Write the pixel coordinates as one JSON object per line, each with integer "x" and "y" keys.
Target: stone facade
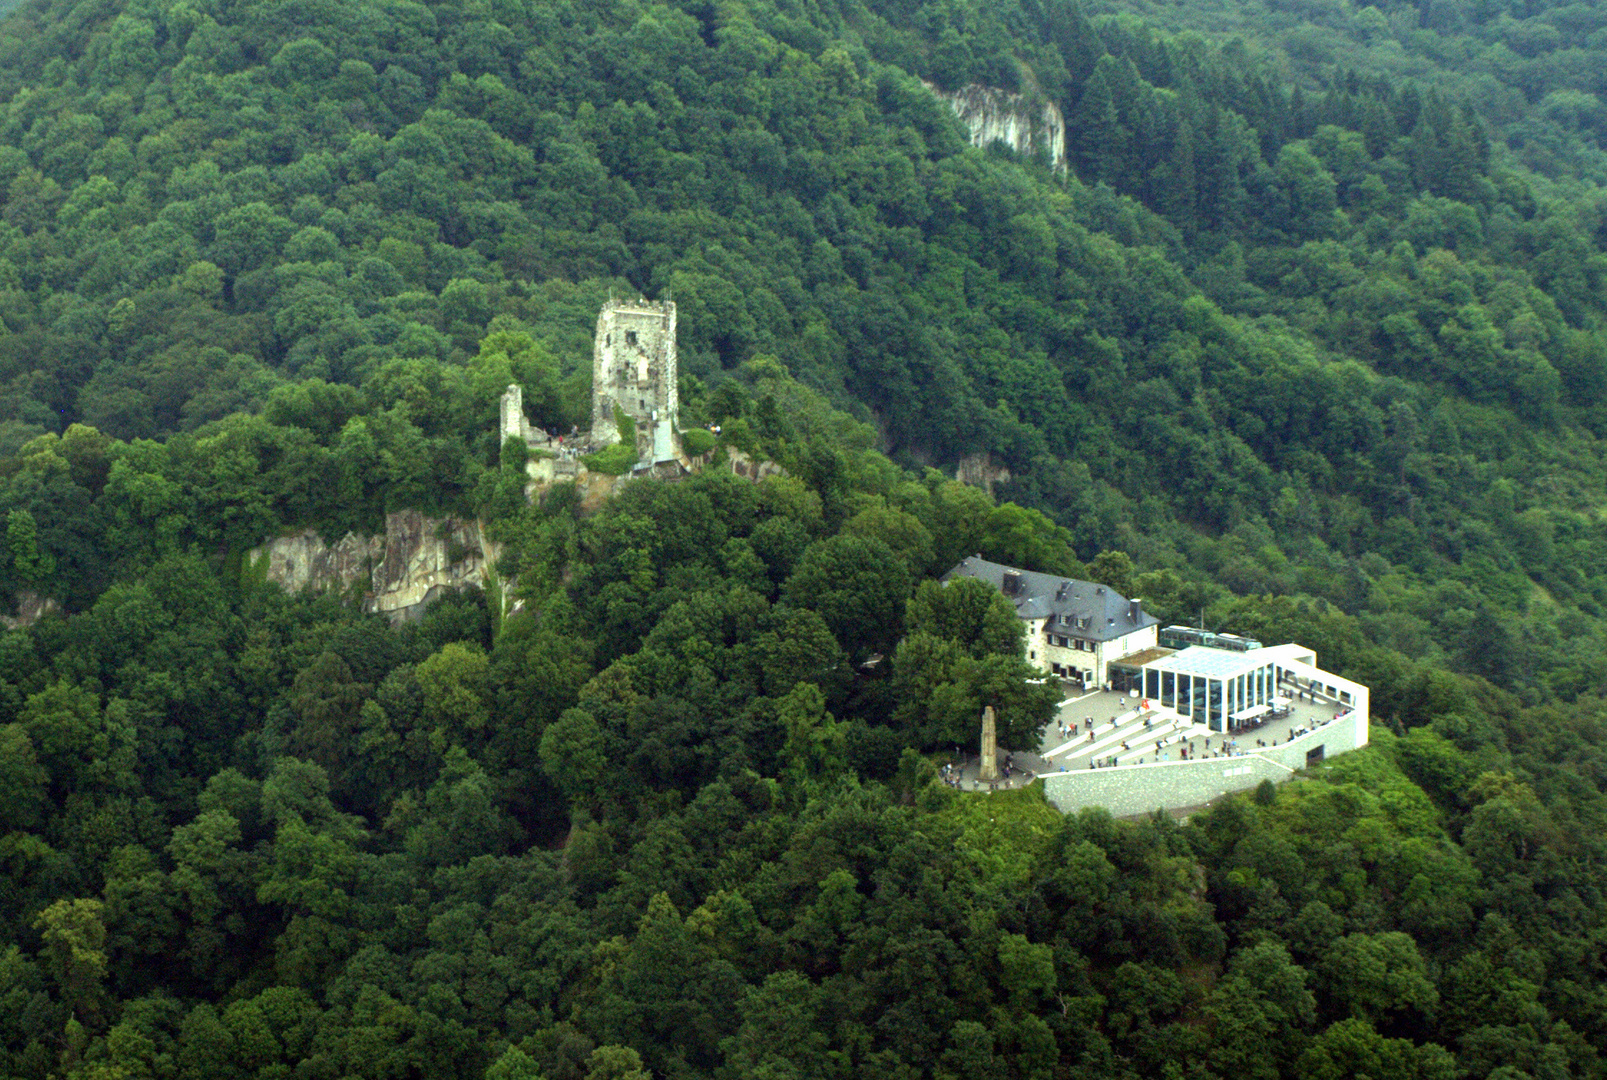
{"x": 1074, "y": 629}
{"x": 514, "y": 423}
{"x": 551, "y": 458}
{"x": 634, "y": 370}
{"x": 994, "y": 115}
{"x": 1070, "y": 651}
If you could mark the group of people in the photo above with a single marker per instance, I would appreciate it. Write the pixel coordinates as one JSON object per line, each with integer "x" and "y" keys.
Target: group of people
{"x": 953, "y": 773}
{"x": 1227, "y": 747}
{"x": 950, "y": 775}
{"x": 1067, "y": 730}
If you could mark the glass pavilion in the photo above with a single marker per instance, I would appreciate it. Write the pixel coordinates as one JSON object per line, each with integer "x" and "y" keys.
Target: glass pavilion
{"x": 1215, "y": 687}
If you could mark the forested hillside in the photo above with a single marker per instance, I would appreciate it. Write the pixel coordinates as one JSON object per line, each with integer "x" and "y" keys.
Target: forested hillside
{"x": 1300, "y": 345}
{"x": 663, "y": 818}
{"x": 1293, "y": 339}
{"x": 1532, "y": 71}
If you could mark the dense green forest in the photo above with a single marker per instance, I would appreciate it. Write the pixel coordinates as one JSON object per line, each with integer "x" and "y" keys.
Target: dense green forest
{"x": 1289, "y": 337}
{"x": 662, "y": 822}
{"x": 1309, "y": 342}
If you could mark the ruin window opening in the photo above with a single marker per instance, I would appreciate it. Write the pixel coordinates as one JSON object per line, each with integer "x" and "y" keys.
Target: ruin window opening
{"x": 630, "y": 337}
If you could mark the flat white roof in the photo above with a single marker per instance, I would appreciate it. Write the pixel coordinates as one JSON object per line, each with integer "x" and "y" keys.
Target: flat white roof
{"x": 1213, "y": 663}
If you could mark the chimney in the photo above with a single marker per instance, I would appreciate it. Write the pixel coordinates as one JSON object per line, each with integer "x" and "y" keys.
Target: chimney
{"x": 1133, "y": 611}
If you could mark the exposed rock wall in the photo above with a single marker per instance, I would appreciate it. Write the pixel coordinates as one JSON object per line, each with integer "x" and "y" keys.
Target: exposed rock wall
{"x": 399, "y": 571}
{"x": 995, "y": 115}
{"x": 31, "y": 607}
{"x": 978, "y": 470}
{"x": 394, "y": 573}
{"x": 751, "y": 469}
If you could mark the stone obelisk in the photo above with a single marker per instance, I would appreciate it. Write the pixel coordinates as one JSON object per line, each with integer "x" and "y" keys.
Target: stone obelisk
{"x": 990, "y": 746}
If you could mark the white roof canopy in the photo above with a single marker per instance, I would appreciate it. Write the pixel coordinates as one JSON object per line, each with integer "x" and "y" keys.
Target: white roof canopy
{"x": 1213, "y": 663}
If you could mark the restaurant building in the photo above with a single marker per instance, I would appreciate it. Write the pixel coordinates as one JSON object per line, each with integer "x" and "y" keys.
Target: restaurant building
{"x": 1222, "y": 689}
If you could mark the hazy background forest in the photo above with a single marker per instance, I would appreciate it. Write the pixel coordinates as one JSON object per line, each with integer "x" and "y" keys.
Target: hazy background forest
{"x": 1309, "y": 342}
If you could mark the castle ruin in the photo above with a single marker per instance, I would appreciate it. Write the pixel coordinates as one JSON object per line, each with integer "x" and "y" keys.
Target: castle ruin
{"x": 514, "y": 423}
{"x": 634, "y": 371}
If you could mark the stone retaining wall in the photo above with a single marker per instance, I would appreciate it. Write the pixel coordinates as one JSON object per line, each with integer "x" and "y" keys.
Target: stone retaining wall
{"x": 1166, "y": 785}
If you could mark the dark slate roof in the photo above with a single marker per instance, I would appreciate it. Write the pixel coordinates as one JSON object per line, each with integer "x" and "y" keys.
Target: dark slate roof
{"x": 1081, "y": 608}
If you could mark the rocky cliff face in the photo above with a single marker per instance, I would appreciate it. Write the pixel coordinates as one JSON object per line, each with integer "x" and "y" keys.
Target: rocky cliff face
{"x": 999, "y": 116}
{"x": 31, "y": 607}
{"x": 395, "y": 573}
{"x": 978, "y": 470}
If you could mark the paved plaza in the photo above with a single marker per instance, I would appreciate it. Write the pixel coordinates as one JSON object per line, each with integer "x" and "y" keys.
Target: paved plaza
{"x": 1122, "y": 733}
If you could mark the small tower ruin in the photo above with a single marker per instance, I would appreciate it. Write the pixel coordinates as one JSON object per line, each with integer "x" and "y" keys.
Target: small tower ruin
{"x": 634, "y": 370}
{"x": 514, "y": 424}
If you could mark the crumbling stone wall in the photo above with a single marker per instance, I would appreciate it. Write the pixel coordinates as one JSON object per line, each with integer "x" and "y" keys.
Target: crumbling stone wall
{"x": 634, "y": 370}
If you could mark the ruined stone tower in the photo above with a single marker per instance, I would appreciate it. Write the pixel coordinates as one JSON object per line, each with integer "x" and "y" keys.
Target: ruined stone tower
{"x": 514, "y": 424}
{"x": 633, "y": 368}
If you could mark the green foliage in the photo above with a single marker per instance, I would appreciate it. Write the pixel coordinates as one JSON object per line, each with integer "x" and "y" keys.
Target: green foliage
{"x": 1262, "y": 335}
{"x": 28, "y": 564}
{"x": 615, "y": 460}
{"x": 625, "y": 425}
{"x": 1313, "y": 360}
{"x": 697, "y": 442}
{"x": 967, "y": 611}
{"x": 813, "y": 752}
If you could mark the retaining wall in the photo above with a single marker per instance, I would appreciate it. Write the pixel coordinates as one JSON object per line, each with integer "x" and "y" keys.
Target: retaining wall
{"x": 1138, "y": 789}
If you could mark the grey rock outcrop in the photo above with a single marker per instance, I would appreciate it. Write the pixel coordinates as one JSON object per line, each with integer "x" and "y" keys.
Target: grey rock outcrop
{"x": 995, "y": 115}
{"x": 31, "y": 607}
{"x": 394, "y": 573}
{"x": 978, "y": 470}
